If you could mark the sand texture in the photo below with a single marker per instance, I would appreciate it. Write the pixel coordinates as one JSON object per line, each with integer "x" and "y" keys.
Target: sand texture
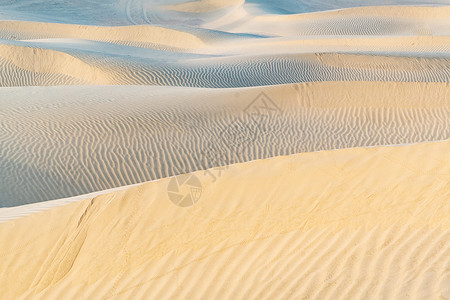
{"x": 351, "y": 223}
{"x": 60, "y": 142}
{"x": 225, "y": 149}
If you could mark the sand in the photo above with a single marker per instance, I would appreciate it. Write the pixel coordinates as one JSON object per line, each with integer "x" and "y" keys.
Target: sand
{"x": 220, "y": 149}
{"x": 351, "y": 223}
{"x": 352, "y": 44}
{"x": 60, "y": 142}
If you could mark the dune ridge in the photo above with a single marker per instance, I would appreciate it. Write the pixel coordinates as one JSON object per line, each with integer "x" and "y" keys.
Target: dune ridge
{"x": 366, "y": 216}
{"x": 237, "y": 52}
{"x": 136, "y": 35}
{"x": 214, "y": 149}
{"x": 204, "y": 6}
{"x": 98, "y": 138}
{"x": 240, "y": 71}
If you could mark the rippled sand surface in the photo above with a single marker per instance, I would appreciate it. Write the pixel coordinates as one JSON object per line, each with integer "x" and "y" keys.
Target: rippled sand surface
{"x": 224, "y": 149}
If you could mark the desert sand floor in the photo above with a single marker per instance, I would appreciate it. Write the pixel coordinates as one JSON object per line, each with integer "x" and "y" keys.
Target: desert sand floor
{"x": 212, "y": 149}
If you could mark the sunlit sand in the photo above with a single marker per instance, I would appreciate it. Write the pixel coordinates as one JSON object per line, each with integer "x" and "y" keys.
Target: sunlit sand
{"x": 224, "y": 149}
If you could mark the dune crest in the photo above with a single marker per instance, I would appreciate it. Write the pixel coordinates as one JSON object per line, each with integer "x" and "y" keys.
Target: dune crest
{"x": 238, "y": 45}
{"x": 116, "y": 150}
{"x": 37, "y": 62}
{"x": 142, "y": 35}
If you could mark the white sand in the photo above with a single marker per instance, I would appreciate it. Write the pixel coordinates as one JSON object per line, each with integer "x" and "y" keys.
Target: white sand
{"x": 314, "y": 136}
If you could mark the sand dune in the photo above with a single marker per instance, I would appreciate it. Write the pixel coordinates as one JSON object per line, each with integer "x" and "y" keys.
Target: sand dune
{"x": 204, "y": 6}
{"x": 126, "y": 35}
{"x": 382, "y": 20}
{"x": 127, "y": 12}
{"x": 28, "y": 66}
{"x": 23, "y": 66}
{"x": 214, "y": 149}
{"x": 409, "y": 46}
{"x": 61, "y": 142}
{"x": 395, "y": 43}
{"x": 352, "y": 223}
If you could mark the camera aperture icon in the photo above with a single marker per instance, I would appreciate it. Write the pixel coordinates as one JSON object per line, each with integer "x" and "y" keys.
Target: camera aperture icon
{"x": 184, "y": 190}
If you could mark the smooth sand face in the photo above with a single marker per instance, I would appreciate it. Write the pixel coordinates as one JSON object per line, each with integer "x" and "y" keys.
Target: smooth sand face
{"x": 309, "y": 144}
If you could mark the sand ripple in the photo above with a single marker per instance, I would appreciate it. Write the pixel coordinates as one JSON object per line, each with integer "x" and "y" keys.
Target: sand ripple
{"x": 352, "y": 223}
{"x": 58, "y": 145}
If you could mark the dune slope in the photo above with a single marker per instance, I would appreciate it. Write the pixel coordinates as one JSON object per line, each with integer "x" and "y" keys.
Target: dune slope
{"x": 352, "y": 223}
{"x": 60, "y": 142}
{"x": 224, "y": 149}
{"x": 238, "y": 47}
